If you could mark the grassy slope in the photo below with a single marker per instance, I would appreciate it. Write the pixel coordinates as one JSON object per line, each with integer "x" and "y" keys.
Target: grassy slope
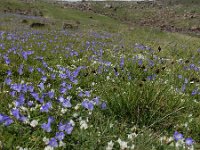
{"x": 173, "y": 45}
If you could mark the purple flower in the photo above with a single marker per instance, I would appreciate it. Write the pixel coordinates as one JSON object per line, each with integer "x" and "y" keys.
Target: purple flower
{"x": 189, "y": 141}
{"x": 20, "y": 70}
{"x": 69, "y": 86}
{"x": 61, "y": 126}
{"x": 9, "y": 73}
{"x": 51, "y": 94}
{"x": 63, "y": 84}
{"x": 41, "y": 86}
{"x": 88, "y": 105}
{"x": 7, "y": 60}
{"x": 30, "y": 103}
{"x": 60, "y": 136}
{"x": 15, "y": 113}
{"x": 20, "y": 101}
{"x": 50, "y": 119}
{"x": 87, "y": 93}
{"x": 63, "y": 76}
{"x": 2, "y": 118}
{"x": 103, "y": 105}
{"x": 68, "y": 128}
{"x": 63, "y": 90}
{"x": 35, "y": 96}
{"x": 66, "y": 103}
{"x": 5, "y": 119}
{"x": 16, "y": 87}
{"x": 61, "y": 99}
{"x": 12, "y": 93}
{"x": 8, "y": 121}
{"x": 122, "y": 62}
{"x": 53, "y": 76}
{"x": 31, "y": 69}
{"x": 180, "y": 76}
{"x": 177, "y": 136}
{"x": 24, "y": 55}
{"x": 44, "y": 78}
{"x": 76, "y": 72}
{"x": 8, "y": 81}
{"x": 140, "y": 62}
{"x": 47, "y": 126}
{"x": 30, "y": 88}
{"x": 194, "y": 92}
{"x": 96, "y": 100}
{"x": 65, "y": 127}
{"x": 53, "y": 142}
{"x": 45, "y": 108}
{"x": 80, "y": 94}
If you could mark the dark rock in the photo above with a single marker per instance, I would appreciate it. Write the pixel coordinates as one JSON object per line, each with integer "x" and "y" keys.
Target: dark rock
{"x": 69, "y": 26}
{"x": 24, "y": 21}
{"x": 37, "y": 24}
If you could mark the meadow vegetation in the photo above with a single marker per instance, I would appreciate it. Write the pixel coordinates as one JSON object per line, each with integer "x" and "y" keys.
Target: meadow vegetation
{"x": 106, "y": 84}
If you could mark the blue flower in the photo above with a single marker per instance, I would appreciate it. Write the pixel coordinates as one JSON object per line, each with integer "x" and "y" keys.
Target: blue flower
{"x": 122, "y": 62}
{"x": 51, "y": 94}
{"x": 61, "y": 126}
{"x": 47, "y": 126}
{"x": 45, "y": 107}
{"x": 8, "y": 81}
{"x": 35, "y": 96}
{"x": 87, "y": 93}
{"x": 88, "y": 105}
{"x": 60, "y": 136}
{"x": 67, "y": 103}
{"x": 63, "y": 90}
{"x": 31, "y": 69}
{"x": 68, "y": 128}
{"x": 8, "y": 121}
{"x": 20, "y": 70}
{"x": 41, "y": 86}
{"x": 30, "y": 88}
{"x": 5, "y": 119}
{"x": 9, "y": 73}
{"x": 53, "y": 76}
{"x": 96, "y": 100}
{"x": 103, "y": 105}
{"x": 53, "y": 142}
{"x": 30, "y": 103}
{"x": 44, "y": 78}
{"x": 177, "y": 136}
{"x": 69, "y": 86}
{"x": 15, "y": 112}
{"x": 189, "y": 141}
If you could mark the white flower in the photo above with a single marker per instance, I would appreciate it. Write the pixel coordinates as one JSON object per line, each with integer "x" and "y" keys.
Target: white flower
{"x": 0, "y": 144}
{"x": 179, "y": 143}
{"x": 111, "y": 125}
{"x": 110, "y": 145}
{"x": 83, "y": 124}
{"x": 75, "y": 115}
{"x": 77, "y": 107}
{"x": 123, "y": 144}
{"x": 62, "y": 144}
{"x": 72, "y": 122}
{"x": 133, "y": 146}
{"x": 132, "y": 135}
{"x": 48, "y": 148}
{"x": 34, "y": 123}
{"x": 45, "y": 140}
{"x": 63, "y": 110}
